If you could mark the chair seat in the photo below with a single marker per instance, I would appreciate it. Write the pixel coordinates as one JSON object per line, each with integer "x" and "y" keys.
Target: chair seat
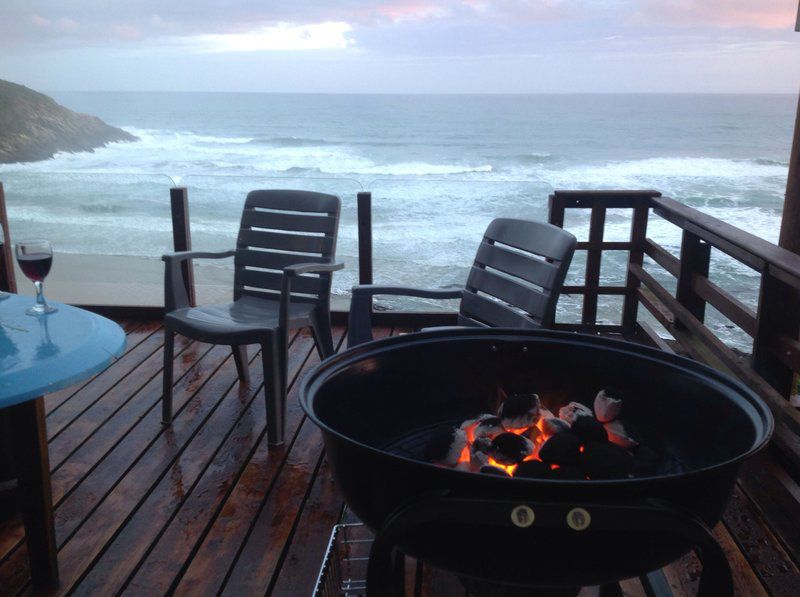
{"x": 248, "y": 320}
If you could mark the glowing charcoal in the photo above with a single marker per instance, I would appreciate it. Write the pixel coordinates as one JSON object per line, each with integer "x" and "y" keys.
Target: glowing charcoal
{"x": 519, "y": 411}
{"x": 563, "y": 449}
{"x": 494, "y": 470}
{"x": 573, "y": 410}
{"x": 446, "y": 445}
{"x": 589, "y": 429}
{"x": 606, "y": 408}
{"x": 534, "y": 434}
{"x": 479, "y": 452}
{"x": 617, "y": 434}
{"x": 532, "y": 469}
{"x": 510, "y": 448}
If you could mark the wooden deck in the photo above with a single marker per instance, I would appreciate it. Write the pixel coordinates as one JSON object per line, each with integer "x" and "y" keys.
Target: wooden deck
{"x": 204, "y": 507}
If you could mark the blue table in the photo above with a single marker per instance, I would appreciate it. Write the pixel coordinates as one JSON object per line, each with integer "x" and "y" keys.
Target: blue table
{"x": 38, "y": 355}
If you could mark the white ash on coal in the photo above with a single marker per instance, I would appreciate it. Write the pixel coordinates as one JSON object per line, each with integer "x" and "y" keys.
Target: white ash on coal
{"x": 554, "y": 425}
{"x": 573, "y": 410}
{"x": 606, "y": 407}
{"x": 617, "y": 434}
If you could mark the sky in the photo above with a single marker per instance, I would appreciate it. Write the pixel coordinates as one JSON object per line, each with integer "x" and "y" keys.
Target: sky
{"x": 402, "y": 46}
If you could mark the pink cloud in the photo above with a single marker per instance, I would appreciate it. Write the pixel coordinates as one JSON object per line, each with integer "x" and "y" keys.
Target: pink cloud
{"x": 411, "y": 10}
{"x": 761, "y": 14}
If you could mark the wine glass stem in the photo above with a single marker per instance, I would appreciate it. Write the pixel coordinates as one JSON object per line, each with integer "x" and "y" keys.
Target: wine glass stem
{"x": 40, "y": 302}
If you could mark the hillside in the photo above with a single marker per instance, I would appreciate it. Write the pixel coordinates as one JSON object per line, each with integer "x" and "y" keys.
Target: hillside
{"x": 34, "y": 127}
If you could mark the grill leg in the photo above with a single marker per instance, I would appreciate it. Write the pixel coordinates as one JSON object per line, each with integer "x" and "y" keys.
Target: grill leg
{"x": 385, "y": 570}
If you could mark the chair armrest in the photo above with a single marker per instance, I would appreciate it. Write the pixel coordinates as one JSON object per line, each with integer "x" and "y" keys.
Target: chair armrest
{"x": 176, "y": 295}
{"x": 289, "y": 273}
{"x": 184, "y": 255}
{"x": 359, "y": 327}
{"x": 312, "y": 268}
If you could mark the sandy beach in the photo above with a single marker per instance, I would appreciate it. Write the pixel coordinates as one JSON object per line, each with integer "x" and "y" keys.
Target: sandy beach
{"x": 128, "y": 281}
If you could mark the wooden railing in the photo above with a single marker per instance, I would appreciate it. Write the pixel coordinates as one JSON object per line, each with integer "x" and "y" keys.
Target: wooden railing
{"x": 774, "y": 326}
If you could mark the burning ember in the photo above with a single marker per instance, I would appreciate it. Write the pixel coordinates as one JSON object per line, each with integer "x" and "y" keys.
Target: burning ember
{"x": 525, "y": 439}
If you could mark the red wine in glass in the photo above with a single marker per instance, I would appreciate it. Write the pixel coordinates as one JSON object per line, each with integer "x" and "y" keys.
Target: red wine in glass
{"x": 35, "y": 258}
{"x": 35, "y": 266}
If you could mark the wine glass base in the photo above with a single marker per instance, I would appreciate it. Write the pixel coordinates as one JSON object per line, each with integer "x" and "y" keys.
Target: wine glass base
{"x": 41, "y": 310}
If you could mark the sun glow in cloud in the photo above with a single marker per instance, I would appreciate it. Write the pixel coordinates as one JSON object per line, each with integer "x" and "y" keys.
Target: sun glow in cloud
{"x": 280, "y": 37}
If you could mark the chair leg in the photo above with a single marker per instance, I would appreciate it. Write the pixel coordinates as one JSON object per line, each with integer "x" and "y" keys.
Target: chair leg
{"x": 240, "y": 357}
{"x": 166, "y": 395}
{"x": 273, "y": 359}
{"x": 321, "y": 328}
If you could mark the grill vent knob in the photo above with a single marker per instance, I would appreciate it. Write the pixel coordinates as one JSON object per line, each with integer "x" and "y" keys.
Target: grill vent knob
{"x": 523, "y": 516}
{"x": 579, "y": 519}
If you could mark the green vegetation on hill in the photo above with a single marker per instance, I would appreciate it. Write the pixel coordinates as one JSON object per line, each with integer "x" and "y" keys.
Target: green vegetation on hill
{"x": 34, "y": 127}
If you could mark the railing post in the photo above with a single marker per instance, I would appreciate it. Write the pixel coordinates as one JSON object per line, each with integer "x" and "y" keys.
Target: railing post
{"x": 695, "y": 260}
{"x": 8, "y": 280}
{"x": 365, "y": 237}
{"x": 182, "y": 236}
{"x": 630, "y": 306}
{"x": 778, "y": 314}
{"x": 594, "y": 255}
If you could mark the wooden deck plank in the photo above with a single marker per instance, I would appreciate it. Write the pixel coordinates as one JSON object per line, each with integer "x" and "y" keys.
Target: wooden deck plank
{"x": 763, "y": 551}
{"x": 132, "y": 339}
{"x": 103, "y": 414}
{"x": 236, "y": 415}
{"x": 259, "y": 560}
{"x": 162, "y": 567}
{"x": 217, "y": 552}
{"x": 72, "y": 408}
{"x": 72, "y": 509}
{"x": 777, "y": 497}
{"x": 298, "y": 574}
{"x": 207, "y": 506}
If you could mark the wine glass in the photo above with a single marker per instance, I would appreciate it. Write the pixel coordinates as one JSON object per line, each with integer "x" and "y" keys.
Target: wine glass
{"x": 35, "y": 258}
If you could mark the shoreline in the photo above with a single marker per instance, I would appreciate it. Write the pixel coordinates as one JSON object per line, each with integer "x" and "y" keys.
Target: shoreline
{"x": 124, "y": 280}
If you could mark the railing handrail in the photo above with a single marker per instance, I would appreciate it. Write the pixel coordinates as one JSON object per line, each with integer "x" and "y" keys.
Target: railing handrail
{"x": 743, "y": 246}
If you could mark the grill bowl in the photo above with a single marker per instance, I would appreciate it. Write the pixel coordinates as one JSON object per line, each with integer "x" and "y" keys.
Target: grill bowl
{"x": 373, "y": 396}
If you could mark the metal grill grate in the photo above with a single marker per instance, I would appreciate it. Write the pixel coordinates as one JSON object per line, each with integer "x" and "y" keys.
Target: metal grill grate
{"x": 344, "y": 568}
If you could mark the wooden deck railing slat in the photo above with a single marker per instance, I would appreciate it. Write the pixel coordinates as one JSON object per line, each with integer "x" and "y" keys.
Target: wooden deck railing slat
{"x": 725, "y": 303}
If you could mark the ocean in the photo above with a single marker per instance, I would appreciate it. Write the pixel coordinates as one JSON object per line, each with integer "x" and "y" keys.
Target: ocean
{"x": 439, "y": 168}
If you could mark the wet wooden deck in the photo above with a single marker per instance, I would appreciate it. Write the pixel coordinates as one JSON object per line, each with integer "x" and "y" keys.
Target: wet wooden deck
{"x": 204, "y": 507}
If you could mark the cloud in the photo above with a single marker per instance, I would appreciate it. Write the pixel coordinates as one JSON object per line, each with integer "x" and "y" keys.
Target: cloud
{"x": 760, "y": 14}
{"x": 280, "y": 37}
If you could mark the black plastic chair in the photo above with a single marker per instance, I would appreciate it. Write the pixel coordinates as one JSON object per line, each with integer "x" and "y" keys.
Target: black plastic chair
{"x": 283, "y": 237}
{"x": 515, "y": 281}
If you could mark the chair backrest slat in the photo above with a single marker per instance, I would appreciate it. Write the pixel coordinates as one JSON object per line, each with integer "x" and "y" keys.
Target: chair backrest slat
{"x": 263, "y": 279}
{"x": 486, "y": 311}
{"x": 521, "y": 266}
{"x": 506, "y": 289}
{"x": 542, "y": 273}
{"x": 275, "y": 220}
{"x": 285, "y": 242}
{"x": 281, "y": 228}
